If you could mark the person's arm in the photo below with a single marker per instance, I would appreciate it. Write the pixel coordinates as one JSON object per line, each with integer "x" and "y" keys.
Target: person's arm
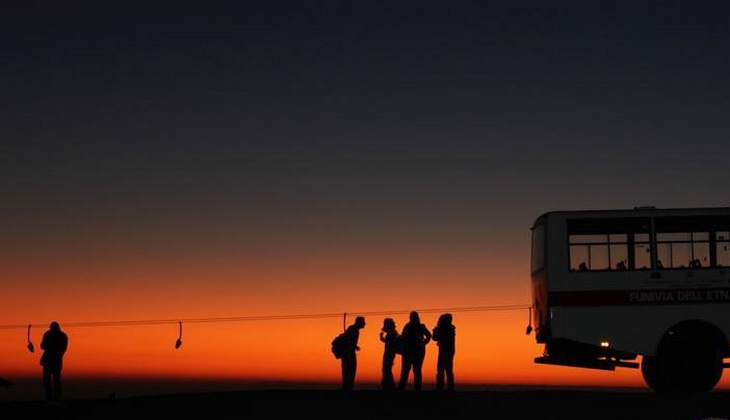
{"x": 353, "y": 336}
{"x": 426, "y": 335}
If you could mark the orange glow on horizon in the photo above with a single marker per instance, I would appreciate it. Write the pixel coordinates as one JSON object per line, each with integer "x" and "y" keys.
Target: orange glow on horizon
{"x": 492, "y": 347}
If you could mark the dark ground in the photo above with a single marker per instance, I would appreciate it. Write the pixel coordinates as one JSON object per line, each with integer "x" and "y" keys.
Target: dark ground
{"x": 372, "y": 404}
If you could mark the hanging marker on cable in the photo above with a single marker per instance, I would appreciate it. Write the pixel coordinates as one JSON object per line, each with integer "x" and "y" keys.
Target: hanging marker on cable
{"x": 178, "y": 343}
{"x": 30, "y": 344}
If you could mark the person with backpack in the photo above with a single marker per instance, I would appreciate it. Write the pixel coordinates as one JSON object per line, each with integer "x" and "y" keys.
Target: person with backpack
{"x": 390, "y": 337}
{"x": 348, "y": 358}
{"x": 415, "y": 338}
{"x": 444, "y": 334}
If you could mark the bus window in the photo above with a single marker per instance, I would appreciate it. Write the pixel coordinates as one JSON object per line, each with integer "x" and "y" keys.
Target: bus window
{"x": 722, "y": 248}
{"x": 618, "y": 253}
{"x": 673, "y": 250}
{"x": 700, "y": 242}
{"x": 642, "y": 251}
{"x": 609, "y": 243}
{"x": 684, "y": 249}
{"x": 579, "y": 257}
{"x": 598, "y": 252}
{"x": 589, "y": 249}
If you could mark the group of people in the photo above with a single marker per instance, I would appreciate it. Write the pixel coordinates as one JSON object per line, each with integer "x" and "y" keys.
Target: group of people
{"x": 410, "y": 343}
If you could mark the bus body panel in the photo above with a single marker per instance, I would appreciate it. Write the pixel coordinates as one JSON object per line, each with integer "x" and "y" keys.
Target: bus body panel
{"x": 633, "y": 330}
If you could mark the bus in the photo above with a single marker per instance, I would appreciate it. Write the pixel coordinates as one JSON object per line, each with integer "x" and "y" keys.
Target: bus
{"x": 640, "y": 288}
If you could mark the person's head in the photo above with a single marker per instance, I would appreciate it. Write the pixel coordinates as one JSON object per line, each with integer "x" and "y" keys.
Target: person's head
{"x": 414, "y": 317}
{"x": 388, "y": 324}
{"x": 55, "y": 326}
{"x": 445, "y": 319}
{"x": 360, "y": 321}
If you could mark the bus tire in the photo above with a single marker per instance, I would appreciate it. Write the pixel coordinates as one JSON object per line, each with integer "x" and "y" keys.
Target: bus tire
{"x": 689, "y": 361}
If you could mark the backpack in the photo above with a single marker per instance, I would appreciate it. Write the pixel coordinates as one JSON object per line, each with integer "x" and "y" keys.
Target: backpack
{"x": 339, "y": 344}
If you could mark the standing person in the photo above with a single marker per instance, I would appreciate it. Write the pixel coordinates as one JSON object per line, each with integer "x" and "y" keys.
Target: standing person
{"x": 415, "y": 337}
{"x": 54, "y": 345}
{"x": 349, "y": 356}
{"x": 444, "y": 334}
{"x": 389, "y": 335}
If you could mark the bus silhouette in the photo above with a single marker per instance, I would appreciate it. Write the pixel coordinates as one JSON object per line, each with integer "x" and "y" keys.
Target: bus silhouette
{"x": 637, "y": 288}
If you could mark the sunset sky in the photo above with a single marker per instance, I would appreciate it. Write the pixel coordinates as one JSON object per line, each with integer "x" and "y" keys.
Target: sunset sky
{"x": 255, "y": 171}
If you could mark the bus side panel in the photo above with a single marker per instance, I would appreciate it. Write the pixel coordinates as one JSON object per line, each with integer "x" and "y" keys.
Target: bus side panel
{"x": 633, "y": 329}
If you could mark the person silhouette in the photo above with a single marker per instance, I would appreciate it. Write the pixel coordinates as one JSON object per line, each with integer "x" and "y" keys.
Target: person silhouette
{"x": 348, "y": 360}
{"x": 54, "y": 345}
{"x": 415, "y": 337}
{"x": 389, "y": 335}
{"x": 444, "y": 334}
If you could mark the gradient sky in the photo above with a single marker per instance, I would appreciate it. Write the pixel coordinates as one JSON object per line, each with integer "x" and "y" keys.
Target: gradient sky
{"x": 269, "y": 159}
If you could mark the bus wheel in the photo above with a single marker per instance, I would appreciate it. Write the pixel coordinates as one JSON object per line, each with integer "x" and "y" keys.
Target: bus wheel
{"x": 689, "y": 362}
{"x": 705, "y": 369}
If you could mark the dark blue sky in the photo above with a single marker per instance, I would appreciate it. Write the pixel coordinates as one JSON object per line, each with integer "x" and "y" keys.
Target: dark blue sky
{"x": 463, "y": 120}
